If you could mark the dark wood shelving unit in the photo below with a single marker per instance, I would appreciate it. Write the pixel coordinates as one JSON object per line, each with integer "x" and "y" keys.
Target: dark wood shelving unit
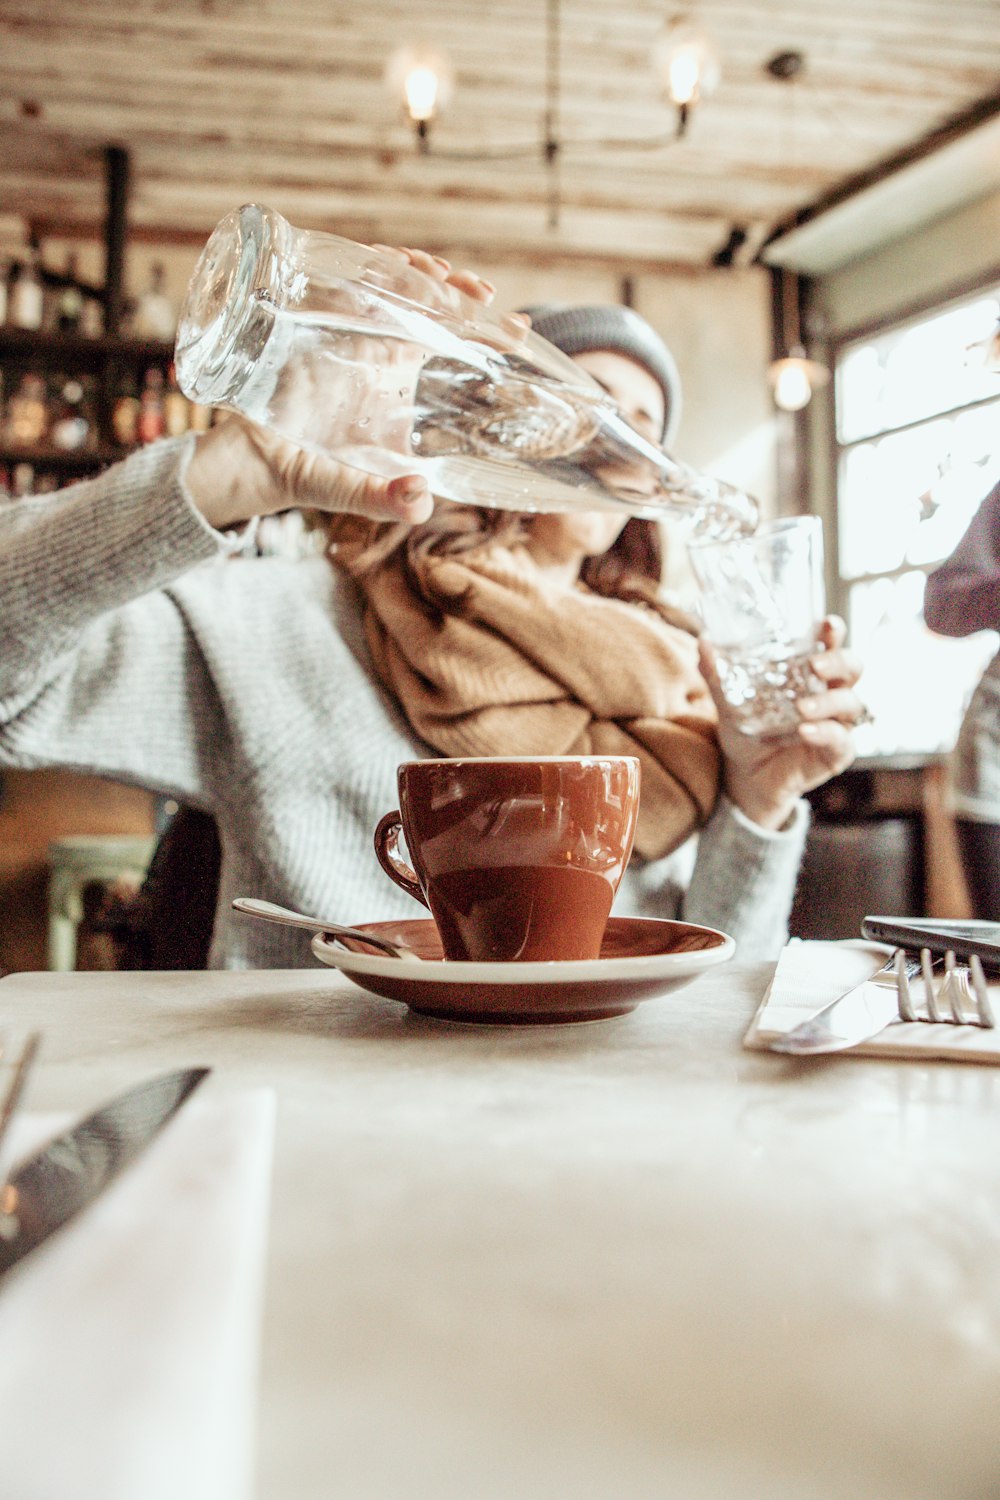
{"x": 77, "y": 351}
{"x": 39, "y": 806}
{"x": 105, "y": 359}
{"x": 64, "y": 460}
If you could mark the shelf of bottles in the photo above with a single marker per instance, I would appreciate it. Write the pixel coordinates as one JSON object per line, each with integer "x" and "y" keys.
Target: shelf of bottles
{"x": 72, "y": 398}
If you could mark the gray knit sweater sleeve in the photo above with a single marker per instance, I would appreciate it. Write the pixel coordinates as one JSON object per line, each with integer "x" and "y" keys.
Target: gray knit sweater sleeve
{"x": 736, "y": 876}
{"x": 94, "y": 658}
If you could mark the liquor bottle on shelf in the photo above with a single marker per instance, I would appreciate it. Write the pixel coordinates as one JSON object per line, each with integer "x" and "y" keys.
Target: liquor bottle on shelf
{"x": 26, "y": 418}
{"x": 71, "y": 429}
{"x": 155, "y": 315}
{"x": 26, "y": 302}
{"x": 92, "y": 318}
{"x": 152, "y": 423}
{"x": 22, "y": 482}
{"x": 69, "y": 305}
{"x": 176, "y": 407}
{"x": 125, "y": 413}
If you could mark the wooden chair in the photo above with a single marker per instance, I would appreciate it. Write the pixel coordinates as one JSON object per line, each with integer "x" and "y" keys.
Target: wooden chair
{"x": 167, "y": 922}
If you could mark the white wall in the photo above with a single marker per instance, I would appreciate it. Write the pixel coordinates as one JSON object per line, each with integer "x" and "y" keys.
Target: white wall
{"x": 950, "y": 252}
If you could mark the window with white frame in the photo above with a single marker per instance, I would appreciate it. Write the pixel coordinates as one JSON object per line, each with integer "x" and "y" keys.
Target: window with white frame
{"x": 918, "y": 438}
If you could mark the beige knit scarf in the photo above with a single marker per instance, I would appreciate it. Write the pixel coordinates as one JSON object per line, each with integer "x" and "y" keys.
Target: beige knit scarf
{"x": 513, "y": 665}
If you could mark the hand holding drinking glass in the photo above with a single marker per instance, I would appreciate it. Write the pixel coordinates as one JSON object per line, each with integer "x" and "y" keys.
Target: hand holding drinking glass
{"x": 780, "y": 676}
{"x": 765, "y": 777}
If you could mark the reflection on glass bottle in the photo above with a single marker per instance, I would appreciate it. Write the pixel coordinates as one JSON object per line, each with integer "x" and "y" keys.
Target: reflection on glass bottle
{"x": 23, "y": 482}
{"x": 92, "y": 318}
{"x": 154, "y": 314}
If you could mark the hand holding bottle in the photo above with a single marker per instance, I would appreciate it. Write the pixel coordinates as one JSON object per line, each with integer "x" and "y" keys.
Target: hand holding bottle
{"x": 288, "y": 327}
{"x": 240, "y": 470}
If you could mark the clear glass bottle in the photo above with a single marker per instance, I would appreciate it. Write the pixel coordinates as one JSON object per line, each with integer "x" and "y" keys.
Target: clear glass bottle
{"x": 70, "y": 302}
{"x": 71, "y": 426}
{"x": 92, "y": 318}
{"x": 26, "y": 415}
{"x": 151, "y": 422}
{"x": 27, "y": 300}
{"x": 351, "y": 351}
{"x": 125, "y": 412}
{"x": 155, "y": 316}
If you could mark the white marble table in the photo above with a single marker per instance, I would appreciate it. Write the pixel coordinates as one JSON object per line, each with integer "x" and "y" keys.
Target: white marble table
{"x": 616, "y": 1261}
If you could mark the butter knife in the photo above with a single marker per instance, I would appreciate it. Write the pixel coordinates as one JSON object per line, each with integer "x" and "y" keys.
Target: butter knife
{"x": 51, "y": 1187}
{"x": 853, "y": 1017}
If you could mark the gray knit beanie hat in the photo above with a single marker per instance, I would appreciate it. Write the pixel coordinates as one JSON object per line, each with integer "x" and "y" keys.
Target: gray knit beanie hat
{"x": 576, "y": 330}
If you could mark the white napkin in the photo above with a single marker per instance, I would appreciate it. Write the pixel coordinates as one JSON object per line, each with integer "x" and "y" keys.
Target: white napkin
{"x": 810, "y": 975}
{"x": 128, "y": 1341}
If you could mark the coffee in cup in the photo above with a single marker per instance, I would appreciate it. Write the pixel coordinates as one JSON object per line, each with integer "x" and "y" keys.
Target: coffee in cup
{"x": 518, "y": 860}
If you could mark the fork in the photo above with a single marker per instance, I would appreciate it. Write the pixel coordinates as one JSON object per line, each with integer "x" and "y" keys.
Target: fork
{"x": 962, "y": 998}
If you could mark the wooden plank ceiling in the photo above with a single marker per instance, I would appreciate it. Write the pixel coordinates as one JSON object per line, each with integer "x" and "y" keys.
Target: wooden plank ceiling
{"x": 282, "y": 101}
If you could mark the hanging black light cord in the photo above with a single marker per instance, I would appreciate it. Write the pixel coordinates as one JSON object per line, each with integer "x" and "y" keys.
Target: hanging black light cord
{"x": 553, "y": 147}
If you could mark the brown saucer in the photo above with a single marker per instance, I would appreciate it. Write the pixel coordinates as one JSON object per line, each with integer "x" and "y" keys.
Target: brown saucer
{"x": 641, "y": 957}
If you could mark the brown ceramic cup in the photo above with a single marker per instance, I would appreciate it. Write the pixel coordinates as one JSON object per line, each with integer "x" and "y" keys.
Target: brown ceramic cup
{"x": 517, "y": 860}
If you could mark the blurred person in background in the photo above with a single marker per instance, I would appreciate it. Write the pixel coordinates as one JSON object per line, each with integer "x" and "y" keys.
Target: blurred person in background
{"x": 962, "y": 596}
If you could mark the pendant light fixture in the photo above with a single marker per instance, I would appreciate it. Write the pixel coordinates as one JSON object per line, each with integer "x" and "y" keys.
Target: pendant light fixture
{"x": 687, "y": 64}
{"x": 420, "y": 78}
{"x": 794, "y": 377}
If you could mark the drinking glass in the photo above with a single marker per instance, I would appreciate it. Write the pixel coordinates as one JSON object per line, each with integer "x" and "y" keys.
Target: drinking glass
{"x": 762, "y": 600}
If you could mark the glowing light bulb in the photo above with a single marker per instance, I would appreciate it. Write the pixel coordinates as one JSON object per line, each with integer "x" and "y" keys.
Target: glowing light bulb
{"x": 421, "y": 78}
{"x": 422, "y": 87}
{"x": 683, "y": 75}
{"x": 687, "y": 64}
{"x": 792, "y": 386}
{"x": 795, "y": 378}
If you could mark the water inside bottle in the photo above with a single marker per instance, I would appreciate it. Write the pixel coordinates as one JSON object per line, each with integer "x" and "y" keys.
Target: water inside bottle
{"x": 482, "y": 427}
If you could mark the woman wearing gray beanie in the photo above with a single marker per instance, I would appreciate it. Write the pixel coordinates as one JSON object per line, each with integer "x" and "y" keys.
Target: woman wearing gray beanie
{"x": 609, "y": 328}
{"x": 628, "y": 358}
{"x": 761, "y": 779}
{"x": 484, "y": 623}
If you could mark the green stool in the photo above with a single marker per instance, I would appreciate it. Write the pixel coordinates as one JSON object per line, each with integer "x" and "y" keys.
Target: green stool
{"x": 73, "y": 864}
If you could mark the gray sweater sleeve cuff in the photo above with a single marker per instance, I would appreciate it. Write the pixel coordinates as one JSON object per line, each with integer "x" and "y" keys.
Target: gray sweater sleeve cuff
{"x": 744, "y": 878}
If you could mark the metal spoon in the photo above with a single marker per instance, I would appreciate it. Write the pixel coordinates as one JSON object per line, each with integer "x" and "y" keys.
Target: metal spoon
{"x": 269, "y": 911}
